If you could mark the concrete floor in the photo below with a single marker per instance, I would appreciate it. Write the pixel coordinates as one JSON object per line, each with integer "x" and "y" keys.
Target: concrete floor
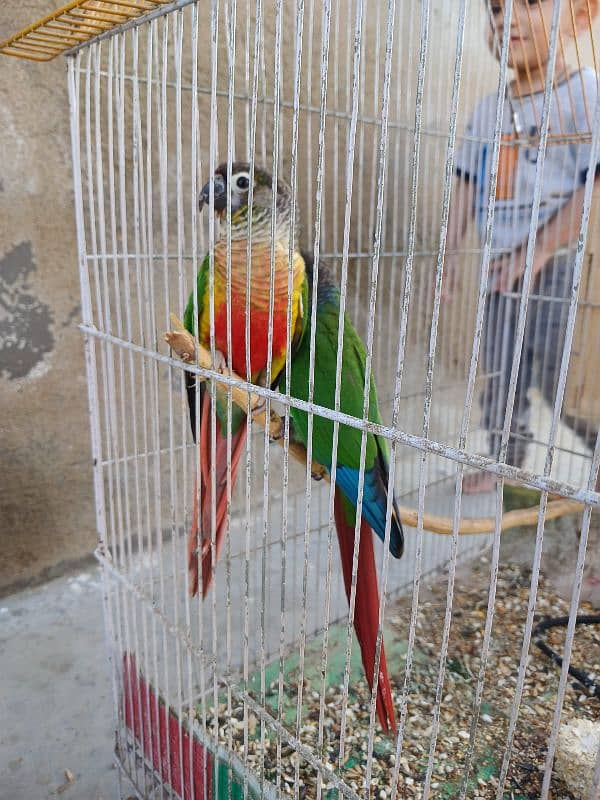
{"x": 55, "y": 695}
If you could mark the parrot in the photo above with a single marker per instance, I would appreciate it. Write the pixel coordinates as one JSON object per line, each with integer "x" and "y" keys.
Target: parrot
{"x": 197, "y": 321}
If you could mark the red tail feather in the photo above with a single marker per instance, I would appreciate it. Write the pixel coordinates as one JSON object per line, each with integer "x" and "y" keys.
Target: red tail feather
{"x": 201, "y": 539}
{"x": 366, "y": 608}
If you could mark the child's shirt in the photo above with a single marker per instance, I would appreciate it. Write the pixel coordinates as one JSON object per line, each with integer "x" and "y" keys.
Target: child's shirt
{"x": 565, "y": 165}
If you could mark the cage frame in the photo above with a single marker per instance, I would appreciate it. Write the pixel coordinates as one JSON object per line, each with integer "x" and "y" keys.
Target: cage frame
{"x": 586, "y": 496}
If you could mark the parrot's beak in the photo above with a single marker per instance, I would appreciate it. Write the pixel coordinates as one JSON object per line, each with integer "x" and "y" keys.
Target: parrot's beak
{"x": 220, "y": 194}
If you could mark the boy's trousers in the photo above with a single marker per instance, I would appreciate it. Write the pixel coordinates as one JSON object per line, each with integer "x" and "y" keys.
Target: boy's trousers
{"x": 543, "y": 342}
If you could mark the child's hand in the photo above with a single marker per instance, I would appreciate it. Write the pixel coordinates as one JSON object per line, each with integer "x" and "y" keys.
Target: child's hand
{"x": 508, "y": 269}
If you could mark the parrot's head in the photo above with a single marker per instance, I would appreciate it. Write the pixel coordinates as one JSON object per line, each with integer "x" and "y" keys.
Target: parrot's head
{"x": 242, "y": 179}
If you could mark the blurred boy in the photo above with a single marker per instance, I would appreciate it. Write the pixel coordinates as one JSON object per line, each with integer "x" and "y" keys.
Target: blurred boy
{"x": 565, "y": 168}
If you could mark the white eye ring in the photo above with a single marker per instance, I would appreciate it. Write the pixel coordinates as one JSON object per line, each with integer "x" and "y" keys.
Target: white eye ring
{"x": 242, "y": 181}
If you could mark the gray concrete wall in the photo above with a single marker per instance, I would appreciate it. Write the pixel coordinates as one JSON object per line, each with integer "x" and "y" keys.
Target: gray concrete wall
{"x": 45, "y": 477}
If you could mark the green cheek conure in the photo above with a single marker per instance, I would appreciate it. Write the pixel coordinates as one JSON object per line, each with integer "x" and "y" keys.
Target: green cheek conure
{"x": 213, "y": 470}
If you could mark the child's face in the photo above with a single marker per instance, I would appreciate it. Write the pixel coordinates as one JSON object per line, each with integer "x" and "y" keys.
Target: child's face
{"x": 530, "y": 26}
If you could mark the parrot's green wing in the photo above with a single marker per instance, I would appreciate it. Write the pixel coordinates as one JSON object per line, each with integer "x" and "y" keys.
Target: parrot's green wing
{"x": 189, "y": 318}
{"x": 352, "y": 381}
{"x": 190, "y": 323}
{"x": 375, "y": 476}
{"x": 351, "y": 387}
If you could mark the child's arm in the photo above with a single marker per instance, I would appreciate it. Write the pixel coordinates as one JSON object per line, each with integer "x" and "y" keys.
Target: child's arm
{"x": 561, "y": 230}
{"x": 461, "y": 211}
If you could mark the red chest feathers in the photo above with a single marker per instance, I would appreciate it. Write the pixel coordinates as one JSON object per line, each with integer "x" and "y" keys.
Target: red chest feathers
{"x": 258, "y": 338}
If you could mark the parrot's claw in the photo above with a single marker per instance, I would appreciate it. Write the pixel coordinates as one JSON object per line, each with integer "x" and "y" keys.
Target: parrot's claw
{"x": 276, "y": 427}
{"x": 318, "y": 472}
{"x": 276, "y": 423}
{"x": 182, "y": 344}
{"x": 258, "y": 409}
{"x": 219, "y": 362}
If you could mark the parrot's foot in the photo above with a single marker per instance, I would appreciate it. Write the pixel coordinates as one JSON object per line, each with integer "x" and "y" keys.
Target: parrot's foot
{"x": 276, "y": 427}
{"x": 317, "y": 472}
{"x": 259, "y": 407}
{"x": 182, "y": 344}
{"x": 219, "y": 363}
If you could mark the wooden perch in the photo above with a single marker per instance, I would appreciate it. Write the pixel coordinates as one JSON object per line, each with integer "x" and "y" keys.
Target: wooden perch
{"x": 183, "y": 345}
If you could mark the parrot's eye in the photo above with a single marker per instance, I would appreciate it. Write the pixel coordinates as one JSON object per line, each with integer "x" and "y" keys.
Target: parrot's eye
{"x": 242, "y": 182}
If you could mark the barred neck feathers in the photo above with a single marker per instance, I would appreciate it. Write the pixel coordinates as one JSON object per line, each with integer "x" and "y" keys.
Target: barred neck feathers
{"x": 260, "y": 257}
{"x": 261, "y": 223}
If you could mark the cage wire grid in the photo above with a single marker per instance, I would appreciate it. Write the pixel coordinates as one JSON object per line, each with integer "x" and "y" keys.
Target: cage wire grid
{"x": 344, "y": 102}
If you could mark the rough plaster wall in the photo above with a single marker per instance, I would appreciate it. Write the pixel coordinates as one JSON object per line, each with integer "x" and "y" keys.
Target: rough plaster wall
{"x": 45, "y": 477}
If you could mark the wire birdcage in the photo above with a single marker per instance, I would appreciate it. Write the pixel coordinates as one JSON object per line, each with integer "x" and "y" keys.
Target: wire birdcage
{"x": 362, "y": 109}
